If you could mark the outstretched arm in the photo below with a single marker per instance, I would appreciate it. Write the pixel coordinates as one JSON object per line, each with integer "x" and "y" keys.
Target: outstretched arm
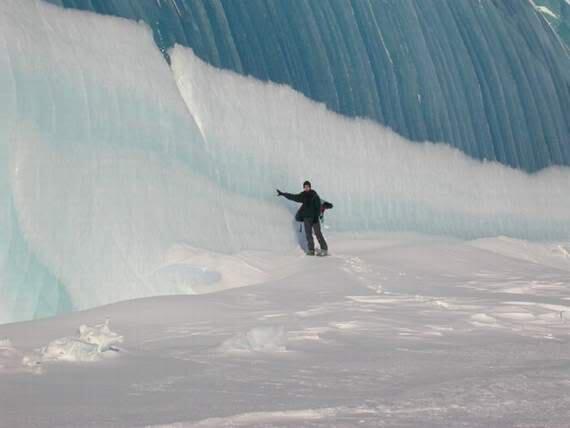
{"x": 291, "y": 196}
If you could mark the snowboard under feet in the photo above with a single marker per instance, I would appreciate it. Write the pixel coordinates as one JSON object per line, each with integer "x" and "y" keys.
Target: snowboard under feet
{"x": 316, "y": 253}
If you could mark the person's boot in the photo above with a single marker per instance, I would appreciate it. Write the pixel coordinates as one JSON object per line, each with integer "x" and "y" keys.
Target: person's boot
{"x": 311, "y": 253}
{"x": 323, "y": 253}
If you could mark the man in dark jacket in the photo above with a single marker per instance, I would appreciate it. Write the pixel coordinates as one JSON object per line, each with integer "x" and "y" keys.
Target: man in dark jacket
{"x": 309, "y": 213}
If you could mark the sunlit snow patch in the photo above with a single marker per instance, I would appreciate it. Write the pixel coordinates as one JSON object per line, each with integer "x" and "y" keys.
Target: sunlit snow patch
{"x": 554, "y": 254}
{"x": 196, "y": 270}
{"x": 267, "y": 419}
{"x": 259, "y": 339}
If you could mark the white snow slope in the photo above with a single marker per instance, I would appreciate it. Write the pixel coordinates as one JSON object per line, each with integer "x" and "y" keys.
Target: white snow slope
{"x": 390, "y": 331}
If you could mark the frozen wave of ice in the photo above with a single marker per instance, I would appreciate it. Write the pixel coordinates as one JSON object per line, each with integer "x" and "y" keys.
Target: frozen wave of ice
{"x": 377, "y": 179}
{"x": 102, "y": 167}
{"x": 109, "y": 158}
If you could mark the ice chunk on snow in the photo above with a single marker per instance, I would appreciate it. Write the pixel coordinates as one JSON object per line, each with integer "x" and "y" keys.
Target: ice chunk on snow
{"x": 258, "y": 339}
{"x": 91, "y": 345}
{"x": 70, "y": 349}
{"x": 100, "y": 335}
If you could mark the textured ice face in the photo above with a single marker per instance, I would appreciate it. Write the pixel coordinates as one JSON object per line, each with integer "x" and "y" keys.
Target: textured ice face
{"x": 488, "y": 77}
{"x": 376, "y": 178}
{"x": 103, "y": 169}
{"x": 70, "y": 82}
{"x": 110, "y": 160}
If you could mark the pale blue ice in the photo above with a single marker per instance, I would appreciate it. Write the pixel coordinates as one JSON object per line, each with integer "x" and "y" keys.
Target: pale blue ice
{"x": 110, "y": 157}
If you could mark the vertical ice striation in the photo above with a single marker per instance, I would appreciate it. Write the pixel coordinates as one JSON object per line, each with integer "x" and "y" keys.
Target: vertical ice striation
{"x": 378, "y": 179}
{"x": 557, "y": 13}
{"x": 103, "y": 168}
{"x": 488, "y": 77}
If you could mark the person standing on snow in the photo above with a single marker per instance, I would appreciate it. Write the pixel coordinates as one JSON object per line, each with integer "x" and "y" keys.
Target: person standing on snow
{"x": 309, "y": 214}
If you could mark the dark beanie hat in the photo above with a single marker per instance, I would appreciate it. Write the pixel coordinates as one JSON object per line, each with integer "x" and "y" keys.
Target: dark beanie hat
{"x": 307, "y": 183}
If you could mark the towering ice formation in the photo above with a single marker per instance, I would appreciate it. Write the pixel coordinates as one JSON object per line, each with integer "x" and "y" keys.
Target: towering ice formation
{"x": 111, "y": 161}
{"x": 488, "y": 77}
{"x": 378, "y": 179}
{"x": 103, "y": 169}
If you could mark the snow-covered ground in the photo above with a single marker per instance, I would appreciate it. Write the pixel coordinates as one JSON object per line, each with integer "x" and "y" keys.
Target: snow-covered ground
{"x": 391, "y": 330}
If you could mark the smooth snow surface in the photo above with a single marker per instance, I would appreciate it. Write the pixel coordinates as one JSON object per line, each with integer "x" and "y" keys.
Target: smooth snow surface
{"x": 389, "y": 331}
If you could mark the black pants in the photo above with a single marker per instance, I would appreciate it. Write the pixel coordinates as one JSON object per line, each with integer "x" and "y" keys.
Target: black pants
{"x": 311, "y": 225}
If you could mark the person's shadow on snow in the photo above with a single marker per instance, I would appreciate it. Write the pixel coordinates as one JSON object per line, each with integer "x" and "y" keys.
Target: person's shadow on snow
{"x": 301, "y": 238}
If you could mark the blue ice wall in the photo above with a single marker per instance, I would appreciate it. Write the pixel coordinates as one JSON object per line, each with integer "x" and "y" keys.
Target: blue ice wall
{"x": 488, "y": 77}
{"x": 557, "y": 13}
{"x": 103, "y": 171}
{"x": 123, "y": 177}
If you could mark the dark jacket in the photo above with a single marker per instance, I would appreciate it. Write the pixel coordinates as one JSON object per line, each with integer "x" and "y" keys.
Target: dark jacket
{"x": 311, "y": 205}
